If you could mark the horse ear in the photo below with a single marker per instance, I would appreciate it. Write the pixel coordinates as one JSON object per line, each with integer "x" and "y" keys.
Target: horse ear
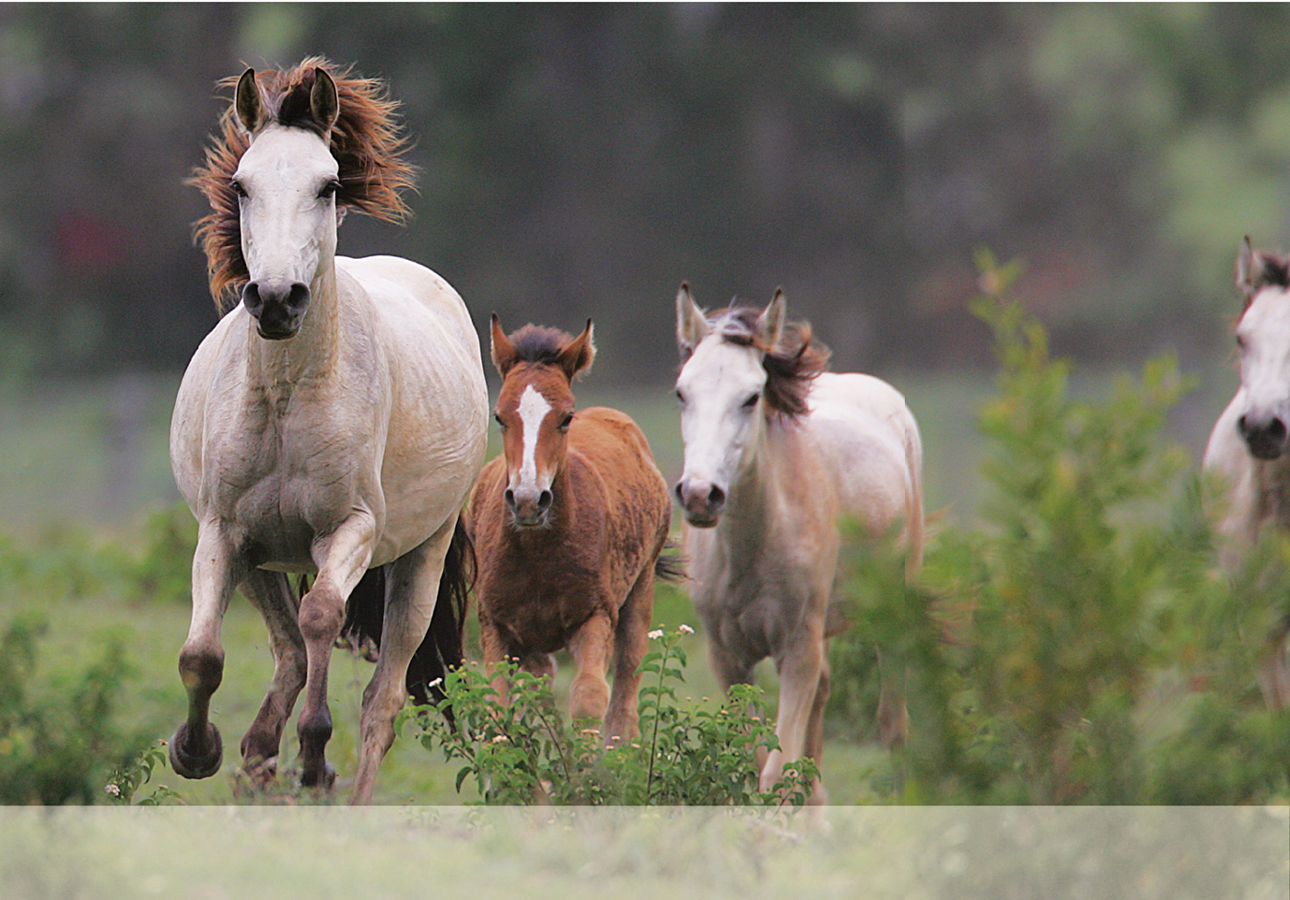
{"x": 247, "y": 102}
{"x": 324, "y": 100}
{"x": 770, "y": 324}
{"x": 1255, "y": 271}
{"x": 578, "y": 354}
{"x": 691, "y": 323}
{"x": 502, "y": 350}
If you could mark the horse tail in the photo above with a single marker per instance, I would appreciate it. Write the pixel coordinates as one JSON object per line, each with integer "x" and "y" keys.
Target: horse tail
{"x": 669, "y": 565}
{"x": 913, "y": 497}
{"x": 442, "y": 647}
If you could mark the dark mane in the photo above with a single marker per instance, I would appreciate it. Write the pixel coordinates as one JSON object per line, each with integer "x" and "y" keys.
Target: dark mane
{"x": 791, "y": 366}
{"x": 367, "y": 142}
{"x": 535, "y": 344}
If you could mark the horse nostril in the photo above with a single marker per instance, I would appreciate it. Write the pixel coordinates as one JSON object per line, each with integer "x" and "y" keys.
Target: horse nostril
{"x": 297, "y": 297}
{"x": 544, "y": 501}
{"x": 251, "y": 299}
{"x": 716, "y": 497}
{"x": 509, "y": 497}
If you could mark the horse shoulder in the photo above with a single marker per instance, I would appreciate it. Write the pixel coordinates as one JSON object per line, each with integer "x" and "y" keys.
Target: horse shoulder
{"x": 405, "y": 289}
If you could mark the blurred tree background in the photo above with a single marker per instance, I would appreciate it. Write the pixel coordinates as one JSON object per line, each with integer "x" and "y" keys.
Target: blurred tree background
{"x": 581, "y": 160}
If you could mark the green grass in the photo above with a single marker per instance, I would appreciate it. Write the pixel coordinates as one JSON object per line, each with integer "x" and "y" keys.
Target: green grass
{"x": 67, "y": 478}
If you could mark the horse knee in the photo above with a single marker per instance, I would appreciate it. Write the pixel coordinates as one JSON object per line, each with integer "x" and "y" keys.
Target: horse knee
{"x": 201, "y": 668}
{"x": 588, "y": 697}
{"x": 322, "y": 615}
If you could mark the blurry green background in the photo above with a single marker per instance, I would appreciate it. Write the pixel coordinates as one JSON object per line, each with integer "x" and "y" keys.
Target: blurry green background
{"x": 581, "y": 160}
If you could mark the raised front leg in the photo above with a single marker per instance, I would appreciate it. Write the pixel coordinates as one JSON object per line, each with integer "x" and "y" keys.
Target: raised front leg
{"x": 411, "y": 591}
{"x": 590, "y": 648}
{"x": 272, "y": 595}
{"x": 196, "y": 748}
{"x": 631, "y": 642}
{"x": 342, "y": 559}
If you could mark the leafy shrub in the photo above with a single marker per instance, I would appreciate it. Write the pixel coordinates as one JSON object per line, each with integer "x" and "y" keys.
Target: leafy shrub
{"x": 58, "y": 740}
{"x": 524, "y": 753}
{"x": 1046, "y": 647}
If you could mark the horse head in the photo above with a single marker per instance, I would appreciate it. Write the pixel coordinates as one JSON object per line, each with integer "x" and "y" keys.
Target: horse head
{"x": 535, "y": 409}
{"x": 286, "y": 183}
{"x": 722, "y": 389}
{"x": 1263, "y": 344}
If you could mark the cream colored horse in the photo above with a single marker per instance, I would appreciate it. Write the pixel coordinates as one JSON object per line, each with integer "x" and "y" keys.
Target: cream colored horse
{"x": 333, "y": 422}
{"x": 1249, "y": 442}
{"x": 777, "y": 451}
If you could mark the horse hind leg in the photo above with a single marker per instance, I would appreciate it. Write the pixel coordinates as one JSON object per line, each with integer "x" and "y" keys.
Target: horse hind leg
{"x": 411, "y": 594}
{"x": 271, "y": 593}
{"x": 196, "y": 749}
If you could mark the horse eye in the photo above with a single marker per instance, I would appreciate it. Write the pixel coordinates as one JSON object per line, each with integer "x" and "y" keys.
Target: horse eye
{"x": 1240, "y": 343}
{"x": 566, "y": 421}
{"x": 752, "y": 401}
{"x": 238, "y": 187}
{"x": 329, "y": 190}
{"x": 680, "y": 396}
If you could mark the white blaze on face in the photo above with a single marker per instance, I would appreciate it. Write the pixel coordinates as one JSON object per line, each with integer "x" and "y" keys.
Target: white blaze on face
{"x": 533, "y": 408}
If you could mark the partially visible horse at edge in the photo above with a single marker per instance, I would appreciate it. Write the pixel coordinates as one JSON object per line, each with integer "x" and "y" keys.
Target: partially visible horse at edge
{"x": 568, "y": 523}
{"x": 1249, "y": 443}
{"x": 777, "y": 451}
{"x": 331, "y": 423}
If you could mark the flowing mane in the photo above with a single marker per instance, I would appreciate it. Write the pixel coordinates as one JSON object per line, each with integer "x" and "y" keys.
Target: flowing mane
{"x": 791, "y": 365}
{"x": 367, "y": 142}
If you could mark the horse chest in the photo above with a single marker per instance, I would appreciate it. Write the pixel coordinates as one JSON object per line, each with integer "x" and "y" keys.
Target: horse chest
{"x": 282, "y": 475}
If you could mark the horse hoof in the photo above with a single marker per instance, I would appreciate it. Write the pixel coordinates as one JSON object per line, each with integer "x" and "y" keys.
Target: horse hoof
{"x": 199, "y": 765}
{"x": 319, "y": 780}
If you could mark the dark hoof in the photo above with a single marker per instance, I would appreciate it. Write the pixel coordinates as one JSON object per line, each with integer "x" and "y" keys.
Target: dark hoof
{"x": 320, "y": 781}
{"x": 196, "y": 765}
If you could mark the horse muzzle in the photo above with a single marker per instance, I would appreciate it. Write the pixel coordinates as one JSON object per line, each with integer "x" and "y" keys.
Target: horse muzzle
{"x": 529, "y": 507}
{"x": 1265, "y": 434}
{"x": 277, "y": 306}
{"x": 701, "y": 502}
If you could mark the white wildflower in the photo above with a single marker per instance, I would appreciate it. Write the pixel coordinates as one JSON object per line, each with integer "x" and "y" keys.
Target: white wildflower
{"x": 656, "y": 634}
{"x": 685, "y": 629}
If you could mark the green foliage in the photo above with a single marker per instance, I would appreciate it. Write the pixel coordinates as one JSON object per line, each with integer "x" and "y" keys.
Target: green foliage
{"x": 1046, "y": 647}
{"x": 126, "y": 782}
{"x": 524, "y": 753}
{"x": 58, "y": 735}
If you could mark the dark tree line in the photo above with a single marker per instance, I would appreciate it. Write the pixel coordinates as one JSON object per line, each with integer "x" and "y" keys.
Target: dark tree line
{"x": 581, "y": 160}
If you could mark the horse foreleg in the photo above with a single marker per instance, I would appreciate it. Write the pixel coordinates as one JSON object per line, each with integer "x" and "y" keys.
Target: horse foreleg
{"x": 800, "y": 670}
{"x": 893, "y": 717}
{"x": 272, "y": 595}
{"x": 196, "y": 748}
{"x": 631, "y": 641}
{"x": 1274, "y": 669}
{"x": 342, "y": 559}
{"x": 591, "y": 647}
{"x": 411, "y": 591}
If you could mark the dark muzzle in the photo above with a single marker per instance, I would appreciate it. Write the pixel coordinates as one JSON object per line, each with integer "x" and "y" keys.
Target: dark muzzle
{"x": 278, "y": 307}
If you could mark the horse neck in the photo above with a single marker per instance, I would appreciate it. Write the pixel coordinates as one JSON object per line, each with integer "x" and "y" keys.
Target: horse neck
{"x": 312, "y": 352}
{"x": 757, "y": 486}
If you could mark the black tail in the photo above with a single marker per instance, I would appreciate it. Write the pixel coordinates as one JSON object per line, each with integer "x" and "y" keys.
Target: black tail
{"x": 669, "y": 566}
{"x": 441, "y": 649}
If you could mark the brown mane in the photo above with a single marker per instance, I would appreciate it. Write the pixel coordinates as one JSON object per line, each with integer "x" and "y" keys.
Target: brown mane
{"x": 536, "y": 344}
{"x": 791, "y": 365}
{"x": 367, "y": 142}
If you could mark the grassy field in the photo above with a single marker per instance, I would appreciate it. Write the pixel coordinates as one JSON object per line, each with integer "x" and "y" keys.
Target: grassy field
{"x": 87, "y": 462}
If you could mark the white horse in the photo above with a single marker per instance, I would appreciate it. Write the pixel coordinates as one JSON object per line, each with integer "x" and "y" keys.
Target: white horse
{"x": 777, "y": 451}
{"x": 1249, "y": 441}
{"x": 333, "y": 422}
